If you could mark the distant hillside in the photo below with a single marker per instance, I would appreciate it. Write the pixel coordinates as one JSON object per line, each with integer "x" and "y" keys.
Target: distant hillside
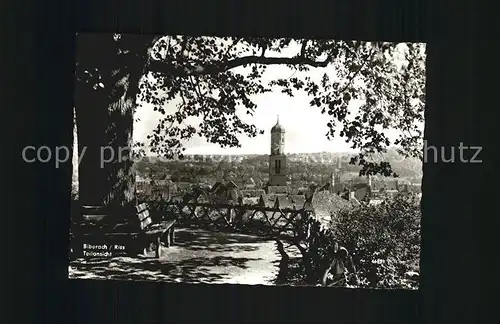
{"x": 321, "y": 163}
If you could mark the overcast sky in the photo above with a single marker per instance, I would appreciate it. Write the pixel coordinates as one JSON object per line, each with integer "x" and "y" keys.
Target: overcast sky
{"x": 305, "y": 126}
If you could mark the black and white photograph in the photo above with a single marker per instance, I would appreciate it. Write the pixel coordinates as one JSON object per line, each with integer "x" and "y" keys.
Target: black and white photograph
{"x": 247, "y": 160}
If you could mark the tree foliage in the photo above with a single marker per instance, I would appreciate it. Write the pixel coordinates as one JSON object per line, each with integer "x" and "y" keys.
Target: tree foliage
{"x": 212, "y": 78}
{"x": 384, "y": 241}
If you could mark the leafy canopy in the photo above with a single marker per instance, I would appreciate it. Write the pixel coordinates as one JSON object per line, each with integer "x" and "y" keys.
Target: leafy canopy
{"x": 212, "y": 77}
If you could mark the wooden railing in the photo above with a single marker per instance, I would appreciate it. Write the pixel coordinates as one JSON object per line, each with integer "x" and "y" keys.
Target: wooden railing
{"x": 253, "y": 218}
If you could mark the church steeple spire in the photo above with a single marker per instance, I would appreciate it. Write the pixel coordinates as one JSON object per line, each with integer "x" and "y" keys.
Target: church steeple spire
{"x": 277, "y": 128}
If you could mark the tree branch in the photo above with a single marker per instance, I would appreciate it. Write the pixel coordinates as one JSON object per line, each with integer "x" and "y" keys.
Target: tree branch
{"x": 357, "y": 71}
{"x": 235, "y": 42}
{"x": 281, "y": 249}
{"x": 303, "y": 48}
{"x": 195, "y": 87}
{"x": 184, "y": 46}
{"x": 302, "y": 249}
{"x": 149, "y": 51}
{"x": 212, "y": 68}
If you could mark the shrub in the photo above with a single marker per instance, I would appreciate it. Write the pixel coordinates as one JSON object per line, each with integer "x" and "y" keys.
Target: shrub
{"x": 384, "y": 240}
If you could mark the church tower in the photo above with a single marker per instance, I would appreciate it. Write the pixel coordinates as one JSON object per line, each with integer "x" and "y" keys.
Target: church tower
{"x": 277, "y": 158}
{"x": 335, "y": 181}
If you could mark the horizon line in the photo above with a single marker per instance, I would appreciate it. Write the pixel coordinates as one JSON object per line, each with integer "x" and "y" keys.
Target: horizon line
{"x": 236, "y": 154}
{"x": 288, "y": 153}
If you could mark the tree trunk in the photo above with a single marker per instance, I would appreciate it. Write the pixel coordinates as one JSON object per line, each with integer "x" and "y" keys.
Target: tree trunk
{"x": 311, "y": 276}
{"x": 105, "y": 134}
{"x": 306, "y": 263}
{"x": 284, "y": 271}
{"x": 105, "y": 108}
{"x": 74, "y": 161}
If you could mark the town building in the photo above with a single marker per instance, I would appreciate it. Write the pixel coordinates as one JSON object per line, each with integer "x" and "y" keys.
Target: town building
{"x": 277, "y": 159}
{"x": 158, "y": 188}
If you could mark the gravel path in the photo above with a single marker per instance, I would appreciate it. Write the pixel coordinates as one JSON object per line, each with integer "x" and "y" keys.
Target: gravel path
{"x": 199, "y": 256}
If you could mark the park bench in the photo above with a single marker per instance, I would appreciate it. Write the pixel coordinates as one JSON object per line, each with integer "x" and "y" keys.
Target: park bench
{"x": 155, "y": 231}
{"x": 136, "y": 235}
